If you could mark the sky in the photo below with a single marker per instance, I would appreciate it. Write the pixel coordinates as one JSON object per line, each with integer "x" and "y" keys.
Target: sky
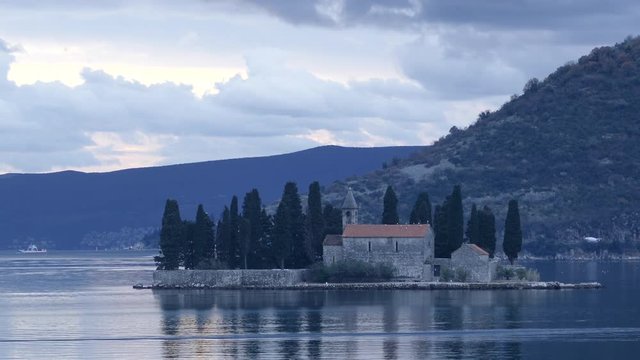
{"x": 113, "y": 84}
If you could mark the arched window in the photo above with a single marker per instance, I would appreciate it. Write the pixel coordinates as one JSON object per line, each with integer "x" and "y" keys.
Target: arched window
{"x": 369, "y": 246}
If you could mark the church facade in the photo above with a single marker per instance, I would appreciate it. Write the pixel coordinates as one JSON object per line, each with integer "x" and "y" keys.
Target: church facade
{"x": 408, "y": 248}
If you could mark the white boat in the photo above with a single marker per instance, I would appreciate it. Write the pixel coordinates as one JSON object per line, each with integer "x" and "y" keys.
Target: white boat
{"x": 32, "y": 249}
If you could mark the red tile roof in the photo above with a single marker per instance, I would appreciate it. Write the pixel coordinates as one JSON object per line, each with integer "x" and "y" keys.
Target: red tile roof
{"x": 399, "y": 231}
{"x": 477, "y": 249}
{"x": 332, "y": 240}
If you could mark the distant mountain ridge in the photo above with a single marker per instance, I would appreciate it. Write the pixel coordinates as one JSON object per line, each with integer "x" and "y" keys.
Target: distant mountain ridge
{"x": 61, "y": 209}
{"x": 568, "y": 148}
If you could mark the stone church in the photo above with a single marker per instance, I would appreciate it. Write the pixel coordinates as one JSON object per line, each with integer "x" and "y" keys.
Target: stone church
{"x": 409, "y": 248}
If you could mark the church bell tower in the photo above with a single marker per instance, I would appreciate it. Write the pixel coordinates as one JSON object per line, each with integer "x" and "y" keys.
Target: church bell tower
{"x": 349, "y": 209}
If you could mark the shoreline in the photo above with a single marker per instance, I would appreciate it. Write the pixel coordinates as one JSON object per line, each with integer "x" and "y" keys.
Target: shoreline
{"x": 540, "y": 285}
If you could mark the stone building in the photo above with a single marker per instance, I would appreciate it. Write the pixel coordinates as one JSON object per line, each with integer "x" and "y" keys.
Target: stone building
{"x": 408, "y": 248}
{"x": 475, "y": 261}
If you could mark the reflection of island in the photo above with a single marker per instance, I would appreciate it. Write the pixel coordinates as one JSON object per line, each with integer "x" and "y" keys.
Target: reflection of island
{"x": 311, "y": 324}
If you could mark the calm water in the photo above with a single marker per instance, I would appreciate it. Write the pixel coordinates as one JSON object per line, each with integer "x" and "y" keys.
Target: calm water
{"x": 81, "y": 305}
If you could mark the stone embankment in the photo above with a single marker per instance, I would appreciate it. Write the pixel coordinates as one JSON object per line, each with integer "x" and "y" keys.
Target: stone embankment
{"x": 295, "y": 280}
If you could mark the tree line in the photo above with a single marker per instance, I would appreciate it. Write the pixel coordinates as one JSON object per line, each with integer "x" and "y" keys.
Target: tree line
{"x": 448, "y": 223}
{"x": 247, "y": 236}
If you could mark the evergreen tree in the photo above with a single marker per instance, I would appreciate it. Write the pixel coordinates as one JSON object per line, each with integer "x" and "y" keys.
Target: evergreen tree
{"x": 223, "y": 240}
{"x": 473, "y": 227}
{"x": 233, "y": 246}
{"x": 282, "y": 238}
{"x": 421, "y": 212}
{"x": 295, "y": 218}
{"x": 455, "y": 220}
{"x": 202, "y": 238}
{"x": 170, "y": 237}
{"x": 332, "y": 220}
{"x": 265, "y": 255}
{"x": 390, "y": 209}
{"x": 512, "y": 243}
{"x": 252, "y": 212}
{"x": 441, "y": 228}
{"x": 244, "y": 240}
{"x": 487, "y": 230}
{"x": 188, "y": 255}
{"x": 314, "y": 223}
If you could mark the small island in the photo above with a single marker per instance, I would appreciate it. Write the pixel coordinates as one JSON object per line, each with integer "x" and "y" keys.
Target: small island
{"x": 312, "y": 254}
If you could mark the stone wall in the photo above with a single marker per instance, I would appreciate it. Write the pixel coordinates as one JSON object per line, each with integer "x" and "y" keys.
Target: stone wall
{"x": 228, "y": 278}
{"x": 476, "y": 265}
{"x": 331, "y": 254}
{"x": 406, "y": 255}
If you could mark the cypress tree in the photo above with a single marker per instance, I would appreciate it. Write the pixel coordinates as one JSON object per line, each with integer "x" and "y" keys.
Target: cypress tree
{"x": 441, "y": 228}
{"x": 421, "y": 212}
{"x": 265, "y": 255}
{"x": 298, "y": 258}
{"x": 487, "y": 230}
{"x": 512, "y": 243}
{"x": 203, "y": 237}
{"x": 244, "y": 240}
{"x": 473, "y": 227}
{"x": 332, "y": 220}
{"x": 233, "y": 246}
{"x": 252, "y": 212}
{"x": 314, "y": 223}
{"x": 171, "y": 235}
{"x": 188, "y": 251}
{"x": 282, "y": 238}
{"x": 390, "y": 207}
{"x": 455, "y": 220}
{"x": 222, "y": 238}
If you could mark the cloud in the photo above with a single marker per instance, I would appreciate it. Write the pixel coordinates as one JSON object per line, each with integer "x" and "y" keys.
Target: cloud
{"x": 503, "y": 14}
{"x": 109, "y": 122}
{"x": 286, "y": 74}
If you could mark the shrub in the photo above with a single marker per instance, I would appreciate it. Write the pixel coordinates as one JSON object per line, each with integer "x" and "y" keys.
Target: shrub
{"x": 211, "y": 264}
{"x": 454, "y": 275}
{"x": 518, "y": 273}
{"x": 351, "y": 271}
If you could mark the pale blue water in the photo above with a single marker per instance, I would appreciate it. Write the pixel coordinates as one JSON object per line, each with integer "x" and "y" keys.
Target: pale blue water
{"x": 81, "y": 305}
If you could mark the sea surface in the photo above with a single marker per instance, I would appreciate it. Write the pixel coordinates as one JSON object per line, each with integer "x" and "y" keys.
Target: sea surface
{"x": 81, "y": 305}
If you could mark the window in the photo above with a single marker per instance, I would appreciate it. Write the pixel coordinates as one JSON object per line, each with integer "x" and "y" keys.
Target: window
{"x": 396, "y": 246}
{"x": 436, "y": 270}
{"x": 369, "y": 246}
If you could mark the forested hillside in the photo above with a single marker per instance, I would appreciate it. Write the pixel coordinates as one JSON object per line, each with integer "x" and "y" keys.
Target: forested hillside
{"x": 568, "y": 148}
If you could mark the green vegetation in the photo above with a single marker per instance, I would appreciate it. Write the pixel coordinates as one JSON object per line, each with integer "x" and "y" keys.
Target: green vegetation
{"x": 332, "y": 220}
{"x": 314, "y": 223}
{"x": 291, "y": 239}
{"x": 449, "y": 224}
{"x": 487, "y": 231}
{"x": 454, "y": 275}
{"x": 566, "y": 148}
{"x": 472, "y": 233}
{"x": 171, "y": 236}
{"x": 254, "y": 236}
{"x": 455, "y": 219}
{"x": 390, "y": 207}
{"x": 351, "y": 271}
{"x": 512, "y": 243}
{"x": 517, "y": 273}
{"x": 421, "y": 212}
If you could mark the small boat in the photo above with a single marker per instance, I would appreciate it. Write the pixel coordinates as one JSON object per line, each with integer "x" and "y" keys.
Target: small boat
{"x": 32, "y": 249}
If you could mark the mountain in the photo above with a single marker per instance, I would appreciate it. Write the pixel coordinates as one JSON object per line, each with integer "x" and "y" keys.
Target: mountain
{"x": 74, "y": 210}
{"x": 568, "y": 149}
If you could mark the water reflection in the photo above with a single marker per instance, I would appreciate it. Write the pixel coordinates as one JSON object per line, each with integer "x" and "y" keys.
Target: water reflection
{"x": 320, "y": 324}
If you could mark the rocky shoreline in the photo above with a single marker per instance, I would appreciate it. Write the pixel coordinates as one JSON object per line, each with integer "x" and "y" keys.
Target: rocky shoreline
{"x": 507, "y": 285}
